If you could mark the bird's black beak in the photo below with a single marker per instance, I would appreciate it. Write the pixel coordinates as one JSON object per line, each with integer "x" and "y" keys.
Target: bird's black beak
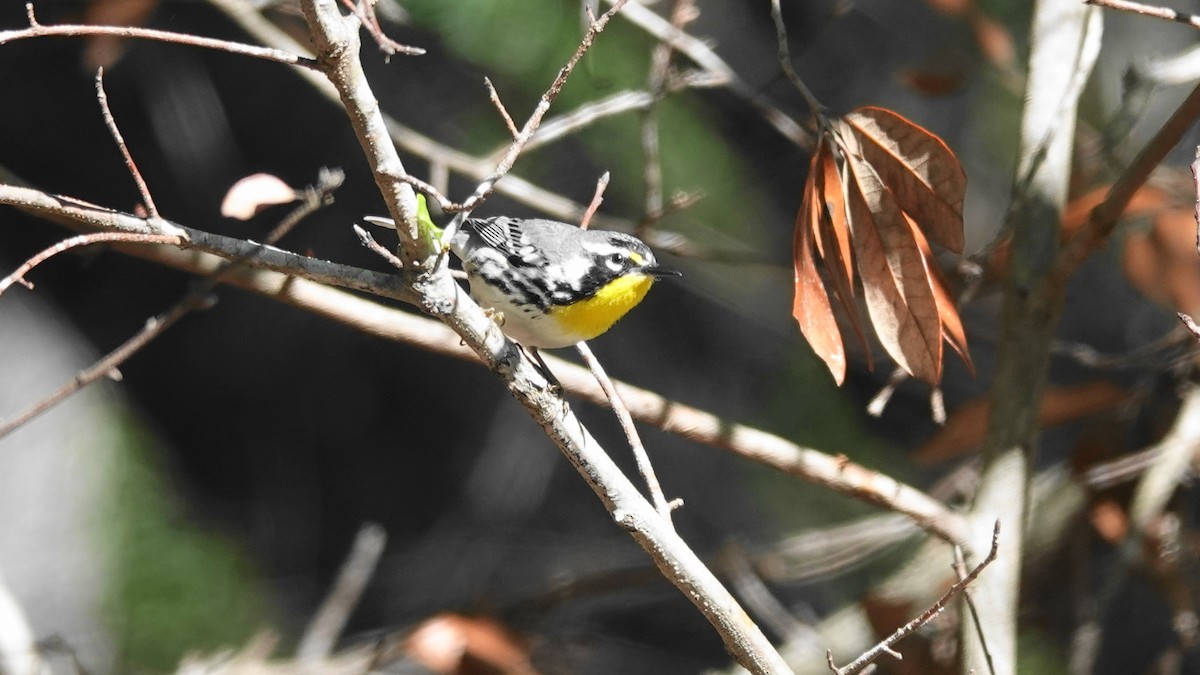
{"x": 658, "y": 271}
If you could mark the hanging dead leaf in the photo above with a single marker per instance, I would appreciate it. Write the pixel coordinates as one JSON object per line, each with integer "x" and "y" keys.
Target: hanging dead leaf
{"x": 253, "y": 193}
{"x": 896, "y": 287}
{"x": 828, "y": 221}
{"x": 878, "y": 188}
{"x": 811, "y": 307}
{"x": 923, "y": 175}
{"x": 952, "y": 327}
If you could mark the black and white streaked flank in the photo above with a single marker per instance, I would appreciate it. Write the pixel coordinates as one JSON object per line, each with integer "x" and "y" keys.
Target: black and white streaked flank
{"x": 529, "y": 270}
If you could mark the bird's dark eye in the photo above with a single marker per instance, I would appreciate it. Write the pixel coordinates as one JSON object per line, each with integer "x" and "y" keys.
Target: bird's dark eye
{"x": 616, "y": 259}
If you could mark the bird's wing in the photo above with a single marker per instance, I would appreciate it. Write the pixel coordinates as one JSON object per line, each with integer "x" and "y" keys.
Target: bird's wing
{"x": 501, "y": 233}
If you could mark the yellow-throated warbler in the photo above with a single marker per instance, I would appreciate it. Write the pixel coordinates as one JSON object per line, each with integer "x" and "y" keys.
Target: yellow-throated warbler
{"x": 553, "y": 283}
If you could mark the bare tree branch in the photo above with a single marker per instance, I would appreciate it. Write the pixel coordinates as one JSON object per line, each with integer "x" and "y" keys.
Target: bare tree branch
{"x": 495, "y": 98}
{"x": 197, "y": 298}
{"x": 327, "y": 624}
{"x": 785, "y": 61}
{"x": 365, "y": 11}
{"x": 81, "y": 215}
{"x": 37, "y": 30}
{"x": 18, "y": 275}
{"x": 706, "y": 58}
{"x": 1149, "y": 10}
{"x": 111, "y": 123}
{"x": 597, "y": 200}
{"x": 337, "y": 45}
{"x": 640, "y": 455}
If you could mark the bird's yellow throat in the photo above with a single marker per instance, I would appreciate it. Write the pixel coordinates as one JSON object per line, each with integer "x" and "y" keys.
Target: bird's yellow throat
{"x": 591, "y": 317}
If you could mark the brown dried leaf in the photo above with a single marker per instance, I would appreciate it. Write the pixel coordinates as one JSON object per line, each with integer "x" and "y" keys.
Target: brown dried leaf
{"x": 966, "y": 426}
{"x": 896, "y": 286}
{"x": 811, "y": 307}
{"x": 253, "y": 193}
{"x": 931, "y": 82}
{"x": 828, "y": 221}
{"x": 878, "y": 187}
{"x": 836, "y": 227}
{"x": 1109, "y": 519}
{"x": 103, "y": 51}
{"x": 1161, "y": 262}
{"x": 923, "y": 175}
{"x": 952, "y": 7}
{"x": 455, "y": 644}
{"x": 1147, "y": 200}
{"x": 952, "y": 327}
{"x": 994, "y": 40}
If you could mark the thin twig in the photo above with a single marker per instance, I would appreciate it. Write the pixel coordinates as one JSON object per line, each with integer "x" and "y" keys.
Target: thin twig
{"x": 880, "y": 401}
{"x": 438, "y": 154}
{"x": 18, "y": 275}
{"x": 704, "y": 56}
{"x": 494, "y": 96}
{"x": 657, "y": 497}
{"x": 37, "y": 30}
{"x": 1149, "y": 10}
{"x": 327, "y": 624}
{"x": 432, "y": 192}
{"x": 86, "y": 217}
{"x": 1103, "y": 219}
{"x": 563, "y": 125}
{"x": 680, "y": 201}
{"x": 365, "y": 11}
{"x": 785, "y": 62}
{"x": 485, "y": 187}
{"x": 660, "y": 63}
{"x": 960, "y": 568}
{"x": 197, "y": 298}
{"x": 377, "y": 248}
{"x": 651, "y": 163}
{"x": 1190, "y": 324}
{"x": 1195, "y": 168}
{"x": 907, "y": 629}
{"x": 111, "y": 123}
{"x": 107, "y": 364}
{"x": 1121, "y": 470}
{"x": 597, "y": 199}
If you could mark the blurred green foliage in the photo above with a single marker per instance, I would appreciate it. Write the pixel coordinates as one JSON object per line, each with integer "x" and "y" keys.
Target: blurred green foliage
{"x": 174, "y": 587}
